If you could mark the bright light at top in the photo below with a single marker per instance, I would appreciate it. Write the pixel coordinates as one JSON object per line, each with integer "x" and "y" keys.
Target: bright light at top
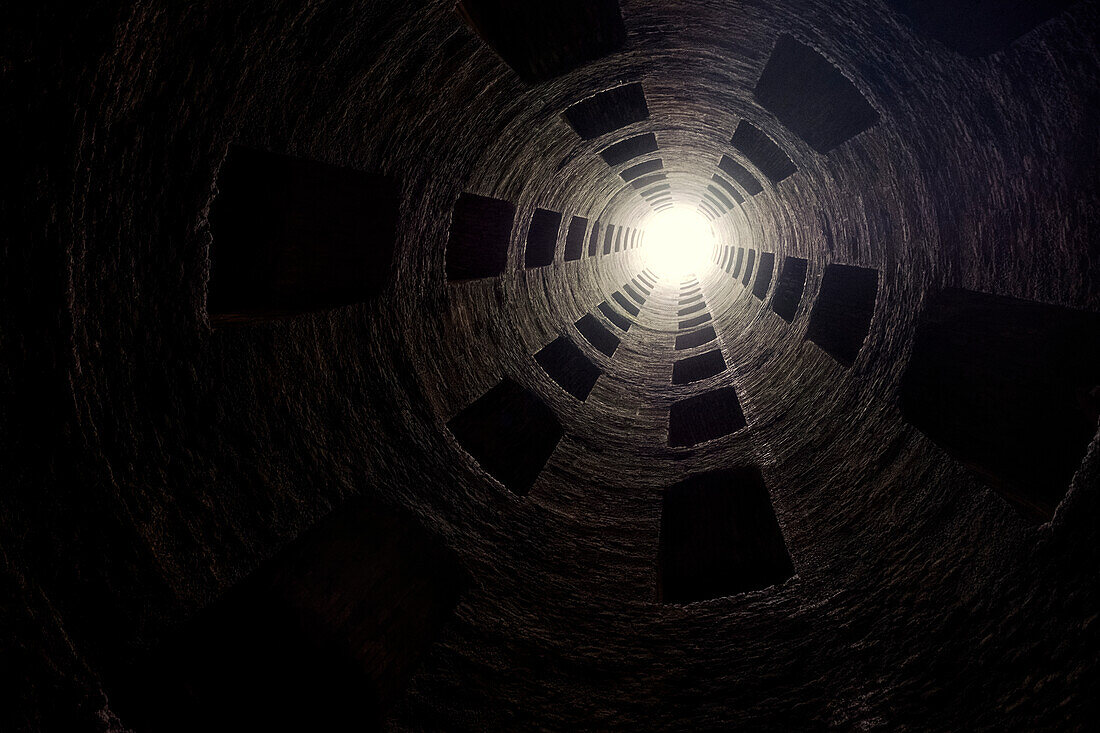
{"x": 677, "y": 242}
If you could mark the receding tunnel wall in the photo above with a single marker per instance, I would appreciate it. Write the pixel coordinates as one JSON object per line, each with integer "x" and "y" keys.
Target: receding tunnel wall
{"x": 274, "y": 267}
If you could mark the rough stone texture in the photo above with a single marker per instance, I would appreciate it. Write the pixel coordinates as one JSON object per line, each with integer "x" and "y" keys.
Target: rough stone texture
{"x": 151, "y": 462}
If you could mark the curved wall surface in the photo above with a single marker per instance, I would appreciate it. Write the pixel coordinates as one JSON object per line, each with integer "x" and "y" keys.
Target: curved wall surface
{"x": 332, "y": 328}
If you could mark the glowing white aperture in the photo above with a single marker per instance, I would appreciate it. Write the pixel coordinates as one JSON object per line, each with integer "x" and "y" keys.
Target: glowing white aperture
{"x": 677, "y": 242}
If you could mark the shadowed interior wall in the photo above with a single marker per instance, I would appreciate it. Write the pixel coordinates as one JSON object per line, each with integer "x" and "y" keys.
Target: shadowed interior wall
{"x": 155, "y": 461}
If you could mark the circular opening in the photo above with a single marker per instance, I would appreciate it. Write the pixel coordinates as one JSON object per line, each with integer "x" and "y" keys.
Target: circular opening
{"x": 677, "y": 243}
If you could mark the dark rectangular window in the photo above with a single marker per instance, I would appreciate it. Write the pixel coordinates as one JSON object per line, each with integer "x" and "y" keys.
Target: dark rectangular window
{"x": 811, "y": 97}
{"x": 704, "y": 417}
{"x": 763, "y": 275}
{"x": 720, "y": 197}
{"x": 695, "y": 338}
{"x": 842, "y": 314}
{"x": 710, "y": 208}
{"x": 569, "y": 367}
{"x": 629, "y": 149}
{"x": 715, "y": 203}
{"x": 542, "y": 39}
{"x": 739, "y": 173}
{"x": 542, "y": 238}
{"x": 696, "y": 321}
{"x": 614, "y": 316}
{"x": 324, "y": 635}
{"x": 481, "y": 229}
{"x": 728, "y": 188}
{"x": 748, "y": 268}
{"x": 625, "y": 304}
{"x": 634, "y": 294}
{"x": 1007, "y": 387}
{"x": 598, "y": 335}
{"x": 697, "y": 367}
{"x": 594, "y": 239}
{"x": 740, "y": 259}
{"x": 510, "y": 432}
{"x": 609, "y": 239}
{"x": 291, "y": 236}
{"x": 656, "y": 191}
{"x": 977, "y": 27}
{"x": 640, "y": 183}
{"x": 640, "y": 285}
{"x": 762, "y": 152}
{"x": 618, "y": 239}
{"x": 788, "y": 291}
{"x": 607, "y": 111}
{"x": 641, "y": 169}
{"x": 689, "y": 299}
{"x": 719, "y": 537}
{"x": 693, "y": 308}
{"x": 574, "y": 238}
